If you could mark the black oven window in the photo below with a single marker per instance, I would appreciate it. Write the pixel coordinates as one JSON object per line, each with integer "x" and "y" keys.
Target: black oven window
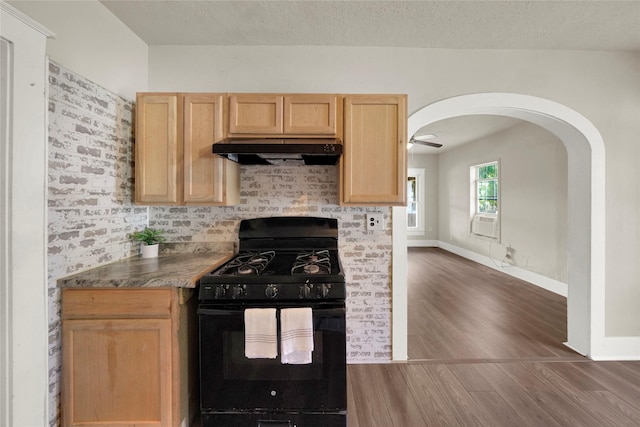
{"x": 238, "y": 367}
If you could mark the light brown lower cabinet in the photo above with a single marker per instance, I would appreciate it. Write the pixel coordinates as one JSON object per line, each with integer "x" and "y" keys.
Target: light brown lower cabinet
{"x": 129, "y": 357}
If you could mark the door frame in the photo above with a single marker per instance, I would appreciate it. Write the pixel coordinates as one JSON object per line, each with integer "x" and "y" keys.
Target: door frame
{"x": 586, "y": 206}
{"x": 23, "y": 229}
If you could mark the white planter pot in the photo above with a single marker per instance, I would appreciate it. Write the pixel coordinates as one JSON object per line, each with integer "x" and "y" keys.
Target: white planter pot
{"x": 149, "y": 251}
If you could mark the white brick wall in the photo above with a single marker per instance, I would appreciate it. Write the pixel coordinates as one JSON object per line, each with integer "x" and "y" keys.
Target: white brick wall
{"x": 313, "y": 191}
{"x": 90, "y": 194}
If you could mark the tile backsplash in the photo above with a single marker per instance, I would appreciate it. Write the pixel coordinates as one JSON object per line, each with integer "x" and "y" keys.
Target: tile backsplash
{"x": 91, "y": 213}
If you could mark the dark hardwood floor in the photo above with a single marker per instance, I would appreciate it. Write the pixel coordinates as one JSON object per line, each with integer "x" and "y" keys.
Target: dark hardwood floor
{"x": 459, "y": 309}
{"x": 487, "y": 349}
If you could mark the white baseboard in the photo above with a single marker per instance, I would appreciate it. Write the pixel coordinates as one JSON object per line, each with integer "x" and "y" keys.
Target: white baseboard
{"x": 423, "y": 243}
{"x": 368, "y": 361}
{"x": 618, "y": 348}
{"x": 539, "y": 280}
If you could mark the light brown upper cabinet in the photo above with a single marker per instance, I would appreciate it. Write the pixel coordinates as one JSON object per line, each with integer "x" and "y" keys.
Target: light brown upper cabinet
{"x": 310, "y": 114}
{"x": 374, "y": 160}
{"x": 208, "y": 178}
{"x": 273, "y": 114}
{"x": 174, "y": 162}
{"x": 158, "y": 147}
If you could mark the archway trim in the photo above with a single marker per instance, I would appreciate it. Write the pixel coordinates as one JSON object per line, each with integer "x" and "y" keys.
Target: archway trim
{"x": 586, "y": 154}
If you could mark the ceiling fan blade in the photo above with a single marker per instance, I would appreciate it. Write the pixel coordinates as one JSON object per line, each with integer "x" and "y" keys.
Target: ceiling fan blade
{"x": 429, "y": 143}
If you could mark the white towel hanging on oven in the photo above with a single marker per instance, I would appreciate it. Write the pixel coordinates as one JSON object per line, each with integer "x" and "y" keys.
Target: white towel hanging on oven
{"x": 260, "y": 333}
{"x": 296, "y": 335}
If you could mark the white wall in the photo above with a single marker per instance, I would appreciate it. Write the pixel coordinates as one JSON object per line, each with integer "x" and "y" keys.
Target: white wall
{"x": 91, "y": 41}
{"x": 602, "y": 86}
{"x": 533, "y": 198}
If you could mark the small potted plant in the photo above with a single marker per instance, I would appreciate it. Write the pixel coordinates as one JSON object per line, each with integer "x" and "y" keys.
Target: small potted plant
{"x": 150, "y": 240}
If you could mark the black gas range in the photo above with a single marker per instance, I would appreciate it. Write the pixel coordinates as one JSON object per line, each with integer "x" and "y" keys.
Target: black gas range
{"x": 282, "y": 263}
{"x": 280, "y": 258}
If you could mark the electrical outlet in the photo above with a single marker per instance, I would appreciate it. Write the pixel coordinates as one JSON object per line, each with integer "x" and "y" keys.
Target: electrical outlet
{"x": 375, "y": 221}
{"x": 509, "y": 252}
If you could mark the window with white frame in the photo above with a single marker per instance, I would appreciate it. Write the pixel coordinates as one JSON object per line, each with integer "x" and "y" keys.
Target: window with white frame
{"x": 415, "y": 201}
{"x": 485, "y": 200}
{"x": 487, "y": 188}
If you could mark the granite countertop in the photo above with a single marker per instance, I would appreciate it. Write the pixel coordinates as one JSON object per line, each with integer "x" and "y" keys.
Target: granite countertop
{"x": 179, "y": 265}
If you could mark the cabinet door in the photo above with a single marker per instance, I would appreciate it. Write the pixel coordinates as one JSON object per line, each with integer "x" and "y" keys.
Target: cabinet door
{"x": 374, "y": 162}
{"x": 158, "y": 149}
{"x": 117, "y": 372}
{"x": 310, "y": 114}
{"x": 255, "y": 114}
{"x": 207, "y": 177}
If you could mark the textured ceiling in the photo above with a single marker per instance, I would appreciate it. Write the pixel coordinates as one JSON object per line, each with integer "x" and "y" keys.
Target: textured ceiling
{"x": 515, "y": 24}
{"x": 582, "y": 25}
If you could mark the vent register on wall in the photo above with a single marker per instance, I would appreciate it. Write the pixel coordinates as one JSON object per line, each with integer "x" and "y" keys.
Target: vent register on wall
{"x": 176, "y": 164}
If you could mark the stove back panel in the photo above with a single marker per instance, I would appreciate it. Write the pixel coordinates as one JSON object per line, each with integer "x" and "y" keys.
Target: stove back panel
{"x": 285, "y": 227}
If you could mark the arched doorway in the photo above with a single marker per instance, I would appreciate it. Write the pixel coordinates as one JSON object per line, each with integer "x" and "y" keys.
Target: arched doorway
{"x": 586, "y": 208}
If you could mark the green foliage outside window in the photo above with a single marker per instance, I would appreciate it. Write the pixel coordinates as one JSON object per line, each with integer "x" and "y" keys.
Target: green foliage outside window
{"x": 487, "y": 189}
{"x": 488, "y": 171}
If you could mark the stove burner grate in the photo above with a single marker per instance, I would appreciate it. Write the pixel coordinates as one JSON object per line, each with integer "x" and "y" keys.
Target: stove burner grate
{"x": 312, "y": 262}
{"x": 249, "y": 263}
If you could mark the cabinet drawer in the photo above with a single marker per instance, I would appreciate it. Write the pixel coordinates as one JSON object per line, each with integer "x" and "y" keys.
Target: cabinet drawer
{"x": 121, "y": 303}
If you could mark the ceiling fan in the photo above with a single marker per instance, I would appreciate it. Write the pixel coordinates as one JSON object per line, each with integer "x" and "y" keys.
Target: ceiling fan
{"x": 424, "y": 140}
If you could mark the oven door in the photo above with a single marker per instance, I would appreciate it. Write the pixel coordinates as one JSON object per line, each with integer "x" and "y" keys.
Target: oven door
{"x": 231, "y": 382}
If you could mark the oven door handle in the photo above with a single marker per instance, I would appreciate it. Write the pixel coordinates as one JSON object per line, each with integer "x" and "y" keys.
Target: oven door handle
{"x": 222, "y": 312}
{"x": 218, "y": 312}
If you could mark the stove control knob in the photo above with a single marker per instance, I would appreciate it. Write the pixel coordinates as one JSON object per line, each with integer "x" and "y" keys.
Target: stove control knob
{"x": 323, "y": 290}
{"x": 219, "y": 292}
{"x": 237, "y": 291}
{"x": 305, "y": 291}
{"x": 271, "y": 291}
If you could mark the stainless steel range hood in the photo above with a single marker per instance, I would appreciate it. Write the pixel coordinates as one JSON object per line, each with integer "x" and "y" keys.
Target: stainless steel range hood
{"x": 279, "y": 151}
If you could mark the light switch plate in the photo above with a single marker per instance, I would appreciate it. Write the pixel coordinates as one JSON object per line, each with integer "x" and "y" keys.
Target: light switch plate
{"x": 375, "y": 221}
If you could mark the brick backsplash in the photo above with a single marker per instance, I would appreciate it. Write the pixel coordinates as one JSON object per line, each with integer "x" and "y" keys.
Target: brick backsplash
{"x": 307, "y": 191}
{"x": 90, "y": 191}
{"x": 91, "y": 213}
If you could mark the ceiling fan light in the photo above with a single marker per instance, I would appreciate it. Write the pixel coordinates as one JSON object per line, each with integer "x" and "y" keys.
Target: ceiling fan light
{"x": 425, "y": 137}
